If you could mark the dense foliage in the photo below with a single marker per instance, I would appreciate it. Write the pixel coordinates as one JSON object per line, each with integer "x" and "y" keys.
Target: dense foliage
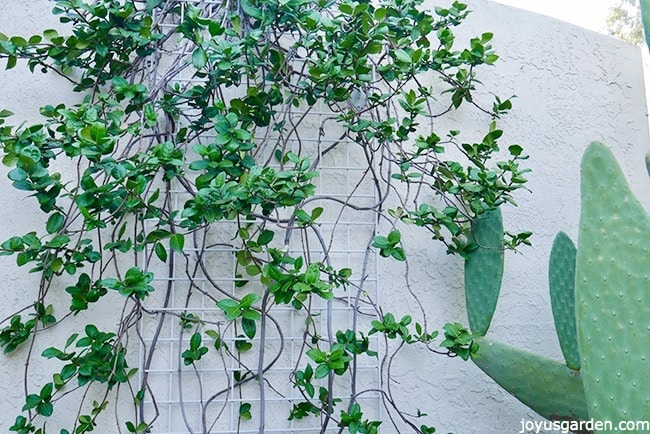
{"x": 192, "y": 133}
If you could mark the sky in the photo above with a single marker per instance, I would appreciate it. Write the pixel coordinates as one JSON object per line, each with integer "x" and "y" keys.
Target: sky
{"x": 590, "y": 14}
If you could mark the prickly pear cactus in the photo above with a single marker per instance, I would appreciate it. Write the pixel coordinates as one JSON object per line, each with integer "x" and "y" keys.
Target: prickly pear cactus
{"x": 613, "y": 292}
{"x": 548, "y": 387}
{"x": 483, "y": 271}
{"x": 645, "y": 18}
{"x": 561, "y": 279}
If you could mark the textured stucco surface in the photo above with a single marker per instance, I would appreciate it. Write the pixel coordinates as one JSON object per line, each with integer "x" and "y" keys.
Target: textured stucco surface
{"x": 572, "y": 86}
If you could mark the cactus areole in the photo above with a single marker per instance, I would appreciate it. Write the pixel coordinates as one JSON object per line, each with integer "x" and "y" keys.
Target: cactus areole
{"x": 613, "y": 292}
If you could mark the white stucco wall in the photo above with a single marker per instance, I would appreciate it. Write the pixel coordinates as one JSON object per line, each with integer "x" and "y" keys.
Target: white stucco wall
{"x": 572, "y": 86}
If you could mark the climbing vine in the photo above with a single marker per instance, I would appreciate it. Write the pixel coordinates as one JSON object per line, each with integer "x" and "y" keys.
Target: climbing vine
{"x": 194, "y": 136}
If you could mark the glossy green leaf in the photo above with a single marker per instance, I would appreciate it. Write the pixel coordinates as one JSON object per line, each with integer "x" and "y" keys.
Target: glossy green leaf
{"x": 177, "y": 242}
{"x": 249, "y": 327}
{"x": 160, "y": 251}
{"x": 55, "y": 223}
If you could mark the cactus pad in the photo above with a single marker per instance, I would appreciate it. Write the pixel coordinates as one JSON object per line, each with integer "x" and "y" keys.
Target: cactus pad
{"x": 645, "y": 19}
{"x": 546, "y": 386}
{"x": 613, "y": 292}
{"x": 561, "y": 278}
{"x": 483, "y": 271}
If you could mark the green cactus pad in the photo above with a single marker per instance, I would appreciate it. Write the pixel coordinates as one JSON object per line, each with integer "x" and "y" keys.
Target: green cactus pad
{"x": 645, "y": 19}
{"x": 483, "y": 271}
{"x": 561, "y": 279}
{"x": 613, "y": 292}
{"x": 548, "y": 387}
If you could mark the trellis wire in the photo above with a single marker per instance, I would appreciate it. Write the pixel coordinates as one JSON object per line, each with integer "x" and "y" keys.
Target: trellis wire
{"x": 346, "y": 234}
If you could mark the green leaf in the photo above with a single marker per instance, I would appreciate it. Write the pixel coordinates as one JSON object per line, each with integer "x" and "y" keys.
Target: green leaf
{"x": 31, "y": 401}
{"x": 245, "y": 411}
{"x": 157, "y": 234}
{"x": 176, "y": 242}
{"x": 51, "y": 352}
{"x": 316, "y": 212}
{"x": 403, "y": 56}
{"x": 230, "y": 308}
{"x": 374, "y": 47}
{"x": 23, "y": 258}
{"x": 302, "y": 217}
{"x": 312, "y": 275}
{"x": 19, "y": 41}
{"x": 68, "y": 371}
{"x": 195, "y": 341}
{"x": 50, "y": 34}
{"x": 249, "y": 300}
{"x": 243, "y": 345}
{"x": 252, "y": 315}
{"x": 394, "y": 237}
{"x": 11, "y": 61}
{"x": 249, "y": 327}
{"x": 491, "y": 58}
{"x": 199, "y": 165}
{"x": 515, "y": 150}
{"x": 199, "y": 58}
{"x": 71, "y": 339}
{"x": 55, "y": 223}
{"x": 398, "y": 253}
{"x": 151, "y": 5}
{"x": 58, "y": 241}
{"x": 161, "y": 252}
{"x": 265, "y": 237}
{"x": 380, "y": 242}
{"x": 322, "y": 371}
{"x": 46, "y": 391}
{"x": 45, "y": 409}
{"x": 346, "y": 8}
{"x": 91, "y": 330}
